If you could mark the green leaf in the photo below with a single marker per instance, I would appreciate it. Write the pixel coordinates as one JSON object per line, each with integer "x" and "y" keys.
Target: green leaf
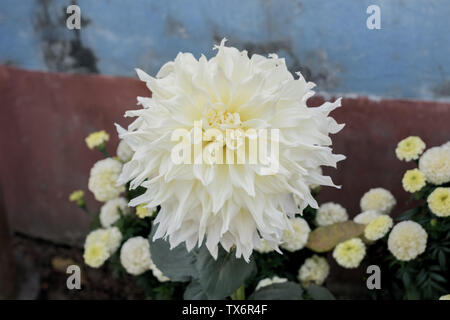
{"x": 220, "y": 278}
{"x": 442, "y": 260}
{"x": 194, "y": 291}
{"x": 279, "y": 291}
{"x": 178, "y": 264}
{"x": 319, "y": 293}
{"x": 326, "y": 238}
{"x": 437, "y": 277}
{"x": 408, "y": 214}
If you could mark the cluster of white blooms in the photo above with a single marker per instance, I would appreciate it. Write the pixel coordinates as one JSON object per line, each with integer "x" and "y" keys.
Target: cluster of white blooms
{"x": 407, "y": 240}
{"x": 350, "y": 253}
{"x": 135, "y": 255}
{"x": 439, "y": 202}
{"x": 111, "y": 211}
{"x": 378, "y": 199}
{"x": 378, "y": 227}
{"x": 314, "y": 271}
{"x": 233, "y": 205}
{"x": 111, "y": 237}
{"x": 100, "y": 244}
{"x": 103, "y": 179}
{"x": 124, "y": 152}
{"x": 366, "y": 217}
{"x": 136, "y": 259}
{"x": 296, "y": 238}
{"x": 410, "y": 148}
{"x": 269, "y": 281}
{"x": 330, "y": 213}
{"x": 435, "y": 164}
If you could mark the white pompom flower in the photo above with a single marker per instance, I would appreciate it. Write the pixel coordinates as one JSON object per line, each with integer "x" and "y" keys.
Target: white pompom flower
{"x": 110, "y": 237}
{"x": 124, "y": 152}
{"x": 314, "y": 271}
{"x": 269, "y": 281}
{"x": 435, "y": 164}
{"x": 103, "y": 179}
{"x": 111, "y": 211}
{"x": 366, "y": 217}
{"x": 296, "y": 237}
{"x": 378, "y": 227}
{"x": 378, "y": 199}
{"x": 330, "y": 213}
{"x": 407, "y": 240}
{"x": 135, "y": 255}
{"x": 350, "y": 253}
{"x": 231, "y": 201}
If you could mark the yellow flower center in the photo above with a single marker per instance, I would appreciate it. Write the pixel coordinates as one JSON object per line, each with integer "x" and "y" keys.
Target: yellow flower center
{"x": 219, "y": 118}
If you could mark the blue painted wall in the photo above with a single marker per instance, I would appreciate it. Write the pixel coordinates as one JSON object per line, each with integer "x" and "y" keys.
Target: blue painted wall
{"x": 327, "y": 40}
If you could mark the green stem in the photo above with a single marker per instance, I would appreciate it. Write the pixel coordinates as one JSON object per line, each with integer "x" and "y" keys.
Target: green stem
{"x": 239, "y": 294}
{"x": 83, "y": 207}
{"x": 102, "y": 149}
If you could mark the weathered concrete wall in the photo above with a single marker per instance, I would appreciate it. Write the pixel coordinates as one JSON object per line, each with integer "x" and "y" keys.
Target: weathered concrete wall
{"x": 45, "y": 117}
{"x": 327, "y": 40}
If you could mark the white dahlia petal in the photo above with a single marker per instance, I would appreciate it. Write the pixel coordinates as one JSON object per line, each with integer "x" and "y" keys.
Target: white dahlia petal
{"x": 234, "y": 204}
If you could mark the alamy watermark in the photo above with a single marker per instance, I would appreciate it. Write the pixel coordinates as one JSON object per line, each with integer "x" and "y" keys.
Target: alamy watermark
{"x": 73, "y": 21}
{"x": 74, "y": 280}
{"x": 374, "y": 280}
{"x": 374, "y": 20}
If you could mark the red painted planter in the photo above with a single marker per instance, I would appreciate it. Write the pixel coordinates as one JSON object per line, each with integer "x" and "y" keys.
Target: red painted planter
{"x": 45, "y": 117}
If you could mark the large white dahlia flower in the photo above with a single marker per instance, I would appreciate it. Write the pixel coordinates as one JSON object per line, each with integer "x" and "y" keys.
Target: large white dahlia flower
{"x": 237, "y": 203}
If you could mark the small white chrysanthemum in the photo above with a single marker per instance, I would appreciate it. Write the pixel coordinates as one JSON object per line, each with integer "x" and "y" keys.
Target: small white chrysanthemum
{"x": 366, "y": 217}
{"x": 330, "y": 213}
{"x": 142, "y": 211}
{"x": 350, "y": 253}
{"x": 413, "y": 180}
{"x": 103, "y": 179}
{"x": 158, "y": 273}
{"x": 297, "y": 238}
{"x": 439, "y": 202}
{"x": 110, "y": 237}
{"x": 96, "y": 139}
{"x": 407, "y": 240}
{"x": 124, "y": 152}
{"x": 314, "y": 271}
{"x": 269, "y": 281}
{"x": 95, "y": 254}
{"x": 264, "y": 247}
{"x": 378, "y": 227}
{"x": 435, "y": 164}
{"x": 410, "y": 148}
{"x": 378, "y": 199}
{"x": 445, "y": 297}
{"x": 135, "y": 255}
{"x": 223, "y": 201}
{"x": 111, "y": 211}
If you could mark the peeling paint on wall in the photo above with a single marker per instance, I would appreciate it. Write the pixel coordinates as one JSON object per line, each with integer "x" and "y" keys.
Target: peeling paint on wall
{"x": 62, "y": 53}
{"x": 327, "y": 41}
